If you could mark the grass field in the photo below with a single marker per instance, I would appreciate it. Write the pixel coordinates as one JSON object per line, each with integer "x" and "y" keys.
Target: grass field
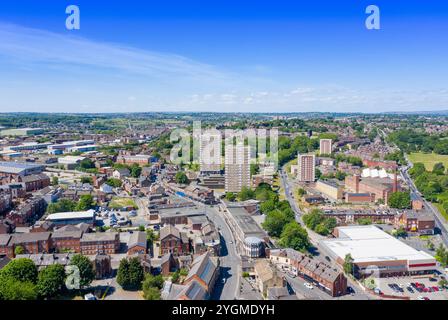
{"x": 428, "y": 159}
{"x": 442, "y": 210}
{"x": 118, "y": 203}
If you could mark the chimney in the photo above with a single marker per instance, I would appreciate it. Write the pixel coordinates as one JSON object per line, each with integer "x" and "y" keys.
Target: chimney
{"x": 357, "y": 180}
{"x": 395, "y": 185}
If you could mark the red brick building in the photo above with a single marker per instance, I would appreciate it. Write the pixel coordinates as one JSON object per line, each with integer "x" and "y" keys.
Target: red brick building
{"x": 100, "y": 243}
{"x": 6, "y": 247}
{"x": 138, "y": 243}
{"x": 173, "y": 241}
{"x": 66, "y": 241}
{"x": 32, "y": 243}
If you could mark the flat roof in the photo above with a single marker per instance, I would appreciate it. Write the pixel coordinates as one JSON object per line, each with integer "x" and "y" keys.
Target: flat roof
{"x": 71, "y": 215}
{"x": 371, "y": 244}
{"x": 17, "y": 167}
{"x": 246, "y": 223}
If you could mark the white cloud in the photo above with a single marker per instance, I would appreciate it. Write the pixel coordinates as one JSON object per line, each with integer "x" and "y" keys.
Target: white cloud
{"x": 38, "y": 46}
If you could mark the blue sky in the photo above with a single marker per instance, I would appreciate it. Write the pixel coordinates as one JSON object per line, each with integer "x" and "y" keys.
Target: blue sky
{"x": 216, "y": 55}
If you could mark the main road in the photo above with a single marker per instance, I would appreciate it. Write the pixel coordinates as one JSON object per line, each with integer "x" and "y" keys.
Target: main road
{"x": 315, "y": 240}
{"x": 227, "y": 286}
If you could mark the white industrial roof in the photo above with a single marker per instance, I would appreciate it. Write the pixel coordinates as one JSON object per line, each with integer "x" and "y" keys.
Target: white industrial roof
{"x": 71, "y": 215}
{"x": 70, "y": 159}
{"x": 370, "y": 244}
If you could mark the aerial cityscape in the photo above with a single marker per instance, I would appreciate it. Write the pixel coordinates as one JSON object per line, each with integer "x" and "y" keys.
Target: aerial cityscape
{"x": 157, "y": 152}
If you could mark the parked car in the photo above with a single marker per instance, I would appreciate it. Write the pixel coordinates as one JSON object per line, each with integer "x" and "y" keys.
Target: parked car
{"x": 308, "y": 285}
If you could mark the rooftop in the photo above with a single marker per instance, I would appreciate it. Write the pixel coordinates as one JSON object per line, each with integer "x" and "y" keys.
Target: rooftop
{"x": 370, "y": 244}
{"x": 90, "y": 214}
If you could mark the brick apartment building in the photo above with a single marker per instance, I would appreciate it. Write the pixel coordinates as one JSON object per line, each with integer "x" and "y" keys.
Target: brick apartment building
{"x": 66, "y": 241}
{"x": 140, "y": 159}
{"x": 28, "y": 212}
{"x": 100, "y": 243}
{"x": 32, "y": 243}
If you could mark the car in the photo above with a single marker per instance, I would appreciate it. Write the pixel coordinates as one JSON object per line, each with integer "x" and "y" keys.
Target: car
{"x": 308, "y": 285}
{"x": 410, "y": 289}
{"x": 377, "y": 291}
{"x": 350, "y": 290}
{"x": 436, "y": 289}
{"x": 231, "y": 242}
{"x": 89, "y": 296}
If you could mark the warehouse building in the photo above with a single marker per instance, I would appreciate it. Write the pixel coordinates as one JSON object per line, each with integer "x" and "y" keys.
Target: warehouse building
{"x": 22, "y": 132}
{"x": 374, "y": 251}
{"x": 72, "y": 218}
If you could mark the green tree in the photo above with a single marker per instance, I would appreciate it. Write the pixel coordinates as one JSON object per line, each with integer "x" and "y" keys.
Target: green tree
{"x": 295, "y": 237}
{"x": 85, "y": 203}
{"x": 151, "y": 293}
{"x": 181, "y": 178}
{"x": 22, "y": 269}
{"x": 417, "y": 170}
{"x": 267, "y": 206}
{"x": 246, "y": 194}
{"x": 175, "y": 277}
{"x": 50, "y": 281}
{"x": 154, "y": 281}
{"x": 130, "y": 274}
{"x": 86, "y": 164}
{"x": 86, "y": 271}
{"x": 348, "y": 264}
{"x": 401, "y": 233}
{"x": 11, "y": 289}
{"x": 114, "y": 183}
{"x": 439, "y": 169}
{"x": 301, "y": 192}
{"x": 275, "y": 222}
{"x": 19, "y": 250}
{"x": 254, "y": 169}
{"x": 230, "y": 196}
{"x": 364, "y": 221}
{"x": 151, "y": 236}
{"x": 399, "y": 200}
{"x": 18, "y": 279}
{"x": 442, "y": 255}
{"x": 63, "y": 205}
{"x": 136, "y": 170}
{"x": 86, "y": 179}
{"x": 54, "y": 181}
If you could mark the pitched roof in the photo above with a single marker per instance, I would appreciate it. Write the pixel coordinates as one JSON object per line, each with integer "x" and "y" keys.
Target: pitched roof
{"x": 137, "y": 239}
{"x": 30, "y": 237}
{"x": 203, "y": 267}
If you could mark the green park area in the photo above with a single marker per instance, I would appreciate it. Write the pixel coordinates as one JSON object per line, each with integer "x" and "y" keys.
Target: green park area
{"x": 118, "y": 203}
{"x": 428, "y": 159}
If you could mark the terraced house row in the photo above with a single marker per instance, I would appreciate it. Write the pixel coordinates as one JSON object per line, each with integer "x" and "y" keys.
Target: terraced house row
{"x": 60, "y": 241}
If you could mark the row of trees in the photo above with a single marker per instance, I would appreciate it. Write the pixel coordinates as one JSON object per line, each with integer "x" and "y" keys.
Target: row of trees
{"x": 409, "y": 140}
{"x": 21, "y": 280}
{"x": 431, "y": 184}
{"x": 86, "y": 202}
{"x": 319, "y": 223}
